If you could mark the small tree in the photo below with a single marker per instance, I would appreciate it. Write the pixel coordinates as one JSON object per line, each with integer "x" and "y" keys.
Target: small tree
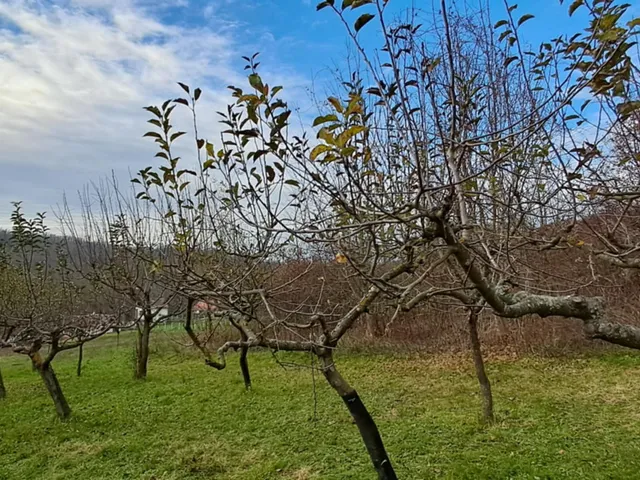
{"x": 225, "y": 219}
{"x": 46, "y": 306}
{"x": 117, "y": 245}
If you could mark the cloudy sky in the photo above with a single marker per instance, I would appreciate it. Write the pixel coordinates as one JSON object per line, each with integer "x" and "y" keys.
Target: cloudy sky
{"x": 75, "y": 74}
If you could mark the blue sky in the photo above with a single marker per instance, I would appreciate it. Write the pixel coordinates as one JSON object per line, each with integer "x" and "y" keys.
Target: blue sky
{"x": 74, "y": 75}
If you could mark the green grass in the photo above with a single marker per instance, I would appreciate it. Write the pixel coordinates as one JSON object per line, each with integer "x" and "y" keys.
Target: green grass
{"x": 558, "y": 419}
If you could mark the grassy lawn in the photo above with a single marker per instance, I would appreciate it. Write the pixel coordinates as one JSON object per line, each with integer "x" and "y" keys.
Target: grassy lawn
{"x": 558, "y": 419}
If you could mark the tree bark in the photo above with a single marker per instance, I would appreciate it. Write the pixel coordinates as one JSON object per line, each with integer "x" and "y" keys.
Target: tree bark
{"x": 142, "y": 348}
{"x": 481, "y": 373}
{"x": 244, "y": 366}
{"x": 80, "y": 352}
{"x": 53, "y": 386}
{"x": 591, "y": 310}
{"x": 363, "y": 420}
{"x": 3, "y": 390}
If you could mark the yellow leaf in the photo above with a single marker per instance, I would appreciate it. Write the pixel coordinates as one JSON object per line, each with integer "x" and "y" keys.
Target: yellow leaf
{"x": 318, "y": 150}
{"x": 336, "y": 104}
{"x": 351, "y": 132}
{"x": 341, "y": 258}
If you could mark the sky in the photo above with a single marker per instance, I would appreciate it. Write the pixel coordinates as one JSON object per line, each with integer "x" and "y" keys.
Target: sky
{"x": 75, "y": 74}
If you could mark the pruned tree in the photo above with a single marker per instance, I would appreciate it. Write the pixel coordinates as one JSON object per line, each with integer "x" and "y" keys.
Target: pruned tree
{"x": 225, "y": 217}
{"x": 115, "y": 243}
{"x": 470, "y": 142}
{"x": 457, "y": 176}
{"x": 43, "y": 305}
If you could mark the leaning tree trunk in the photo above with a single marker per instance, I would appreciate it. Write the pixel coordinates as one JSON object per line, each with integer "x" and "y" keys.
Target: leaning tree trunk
{"x": 142, "y": 348}
{"x": 367, "y": 427}
{"x": 481, "y": 373}
{"x": 244, "y": 363}
{"x": 50, "y": 380}
{"x": 244, "y": 366}
{"x": 3, "y": 391}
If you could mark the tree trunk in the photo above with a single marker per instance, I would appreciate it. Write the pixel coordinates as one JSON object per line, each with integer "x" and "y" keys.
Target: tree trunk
{"x": 478, "y": 362}
{"x": 53, "y": 386}
{"x": 3, "y": 391}
{"x": 142, "y": 348}
{"x": 80, "y": 352}
{"x": 244, "y": 366}
{"x": 367, "y": 427}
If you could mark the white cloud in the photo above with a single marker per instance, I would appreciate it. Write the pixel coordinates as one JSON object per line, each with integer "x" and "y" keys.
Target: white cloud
{"x": 74, "y": 75}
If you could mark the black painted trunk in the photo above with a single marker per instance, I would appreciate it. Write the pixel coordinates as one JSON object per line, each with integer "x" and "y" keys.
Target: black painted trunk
{"x": 244, "y": 366}
{"x": 80, "y": 353}
{"x": 53, "y": 387}
{"x": 3, "y": 390}
{"x": 370, "y": 436}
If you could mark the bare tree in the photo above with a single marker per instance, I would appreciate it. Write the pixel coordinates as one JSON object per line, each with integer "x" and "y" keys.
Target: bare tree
{"x": 117, "y": 244}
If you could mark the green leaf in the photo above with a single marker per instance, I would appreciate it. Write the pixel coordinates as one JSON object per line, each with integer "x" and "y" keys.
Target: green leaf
{"x": 362, "y": 21}
{"x": 324, "y": 4}
{"x": 255, "y": 81}
{"x": 197, "y": 93}
{"x": 271, "y": 173}
{"x": 184, "y": 87}
{"x": 153, "y": 134}
{"x": 524, "y": 18}
{"x": 510, "y": 60}
{"x": 346, "y": 3}
{"x": 324, "y": 119}
{"x": 584, "y": 105}
{"x": 182, "y": 101}
{"x": 504, "y": 35}
{"x": 500, "y": 23}
{"x": 176, "y": 136}
{"x": 251, "y": 133}
{"x": 575, "y": 5}
{"x": 154, "y": 110}
{"x": 294, "y": 183}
